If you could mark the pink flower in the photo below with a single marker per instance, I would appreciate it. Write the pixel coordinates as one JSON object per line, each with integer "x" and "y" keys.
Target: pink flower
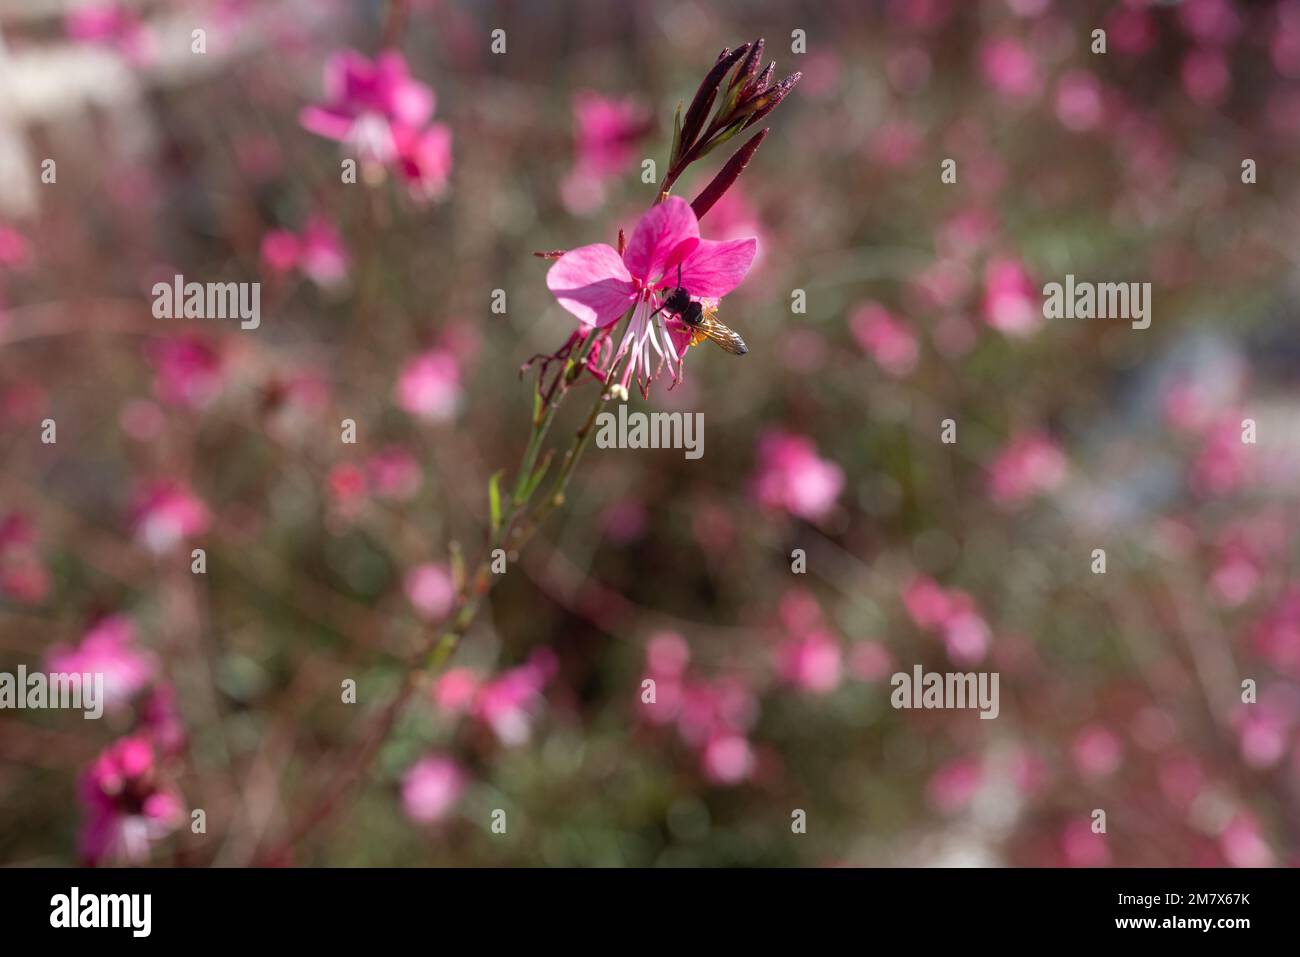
{"x": 889, "y": 342}
{"x": 1010, "y": 303}
{"x": 456, "y": 690}
{"x": 508, "y": 704}
{"x": 811, "y": 662}
{"x": 128, "y": 803}
{"x": 365, "y": 100}
{"x": 23, "y": 575}
{"x": 393, "y": 474}
{"x": 318, "y": 251}
{"x": 430, "y": 590}
{"x": 728, "y": 759}
{"x": 598, "y": 286}
{"x": 160, "y": 719}
{"x": 1078, "y": 101}
{"x": 429, "y": 386}
{"x": 423, "y": 159}
{"x": 966, "y": 635}
{"x": 713, "y": 709}
{"x": 430, "y": 788}
{"x": 1243, "y": 845}
{"x": 187, "y": 371}
{"x": 870, "y": 661}
{"x": 953, "y": 786}
{"x": 109, "y": 649}
{"x": 1222, "y": 465}
{"x": 1009, "y": 68}
{"x": 1097, "y": 752}
{"x": 166, "y": 513}
{"x": 1083, "y": 848}
{"x": 791, "y": 476}
{"x": 112, "y": 25}
{"x": 1028, "y": 465}
{"x": 1206, "y": 76}
{"x": 1277, "y": 635}
{"x": 607, "y": 133}
{"x": 15, "y": 251}
{"x": 926, "y": 602}
{"x": 667, "y": 655}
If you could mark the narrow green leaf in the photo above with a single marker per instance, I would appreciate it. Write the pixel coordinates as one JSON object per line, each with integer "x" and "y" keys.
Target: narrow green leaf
{"x": 538, "y": 474}
{"x": 494, "y": 499}
{"x": 677, "y": 135}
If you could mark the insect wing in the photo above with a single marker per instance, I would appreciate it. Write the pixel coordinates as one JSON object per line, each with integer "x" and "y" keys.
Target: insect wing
{"x": 723, "y": 335}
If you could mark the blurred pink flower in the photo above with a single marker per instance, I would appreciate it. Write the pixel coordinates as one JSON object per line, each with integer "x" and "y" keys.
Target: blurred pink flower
{"x": 15, "y": 251}
{"x": 1009, "y": 67}
{"x": 1029, "y": 464}
{"x": 423, "y": 159}
{"x": 1243, "y": 845}
{"x": 160, "y": 720}
{"x": 1081, "y": 847}
{"x": 1263, "y": 733}
{"x": 382, "y": 114}
{"x": 1222, "y": 465}
{"x": 429, "y": 386}
{"x": 598, "y": 286}
{"x": 1097, "y": 752}
{"x": 431, "y": 787}
{"x": 952, "y": 613}
{"x": 811, "y": 662}
{"x": 187, "y": 371}
{"x": 108, "y": 648}
{"x": 1277, "y": 634}
{"x": 1078, "y": 101}
{"x": 393, "y": 474}
{"x": 318, "y": 251}
{"x": 166, "y": 513}
{"x": 727, "y": 759}
{"x": 889, "y": 342}
{"x": 455, "y": 691}
{"x": 1210, "y": 21}
{"x": 346, "y": 484}
{"x": 667, "y": 654}
{"x": 1011, "y": 304}
{"x": 926, "y": 602}
{"x": 870, "y": 661}
{"x": 791, "y": 476}
{"x": 114, "y": 25}
{"x": 607, "y": 132}
{"x": 430, "y": 590}
{"x": 953, "y": 786}
{"x": 364, "y": 100}
{"x": 508, "y": 704}
{"x": 23, "y": 574}
{"x": 710, "y": 708}
{"x": 1206, "y": 76}
{"x": 1130, "y": 29}
{"x": 128, "y": 803}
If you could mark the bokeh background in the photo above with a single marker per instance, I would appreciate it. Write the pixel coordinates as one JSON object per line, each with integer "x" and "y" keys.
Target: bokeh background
{"x": 328, "y": 561}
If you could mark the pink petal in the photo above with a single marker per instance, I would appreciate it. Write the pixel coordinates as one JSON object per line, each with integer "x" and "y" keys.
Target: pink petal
{"x": 661, "y": 239}
{"x": 716, "y": 268}
{"x": 592, "y": 283}
{"x": 325, "y": 122}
